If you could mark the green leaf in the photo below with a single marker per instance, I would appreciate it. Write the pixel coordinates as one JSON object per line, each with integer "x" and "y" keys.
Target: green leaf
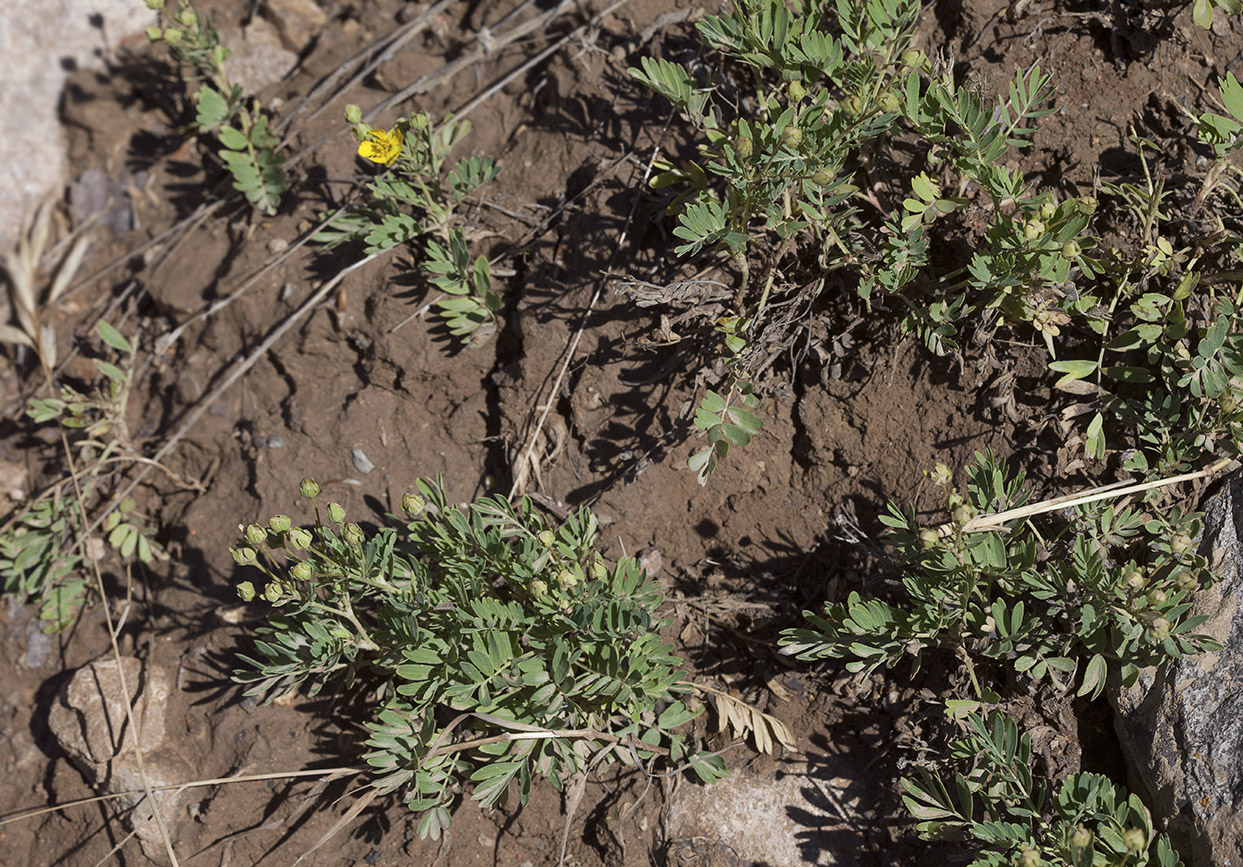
{"x": 232, "y": 138}
{"x": 112, "y": 337}
{"x": 211, "y": 108}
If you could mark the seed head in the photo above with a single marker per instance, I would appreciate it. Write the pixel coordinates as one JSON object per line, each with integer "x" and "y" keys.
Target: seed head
{"x": 255, "y": 534}
{"x": 280, "y": 523}
{"x": 413, "y": 505}
{"x": 302, "y": 571}
{"x": 309, "y": 489}
{"x": 299, "y": 539}
{"x": 353, "y": 534}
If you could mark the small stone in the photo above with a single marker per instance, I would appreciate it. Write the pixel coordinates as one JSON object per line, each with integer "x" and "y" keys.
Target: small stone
{"x": 277, "y": 245}
{"x": 297, "y": 21}
{"x": 39, "y": 645}
{"x": 361, "y": 462}
{"x": 276, "y": 441}
{"x": 651, "y": 561}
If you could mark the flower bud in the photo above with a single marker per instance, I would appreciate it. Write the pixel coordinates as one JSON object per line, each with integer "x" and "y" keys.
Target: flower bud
{"x": 1048, "y": 209}
{"x": 929, "y": 538}
{"x": 961, "y": 514}
{"x": 599, "y": 571}
{"x": 302, "y": 571}
{"x": 336, "y": 513}
{"x": 990, "y": 625}
{"x": 941, "y": 475}
{"x": 823, "y": 177}
{"x": 280, "y": 523}
{"x": 1186, "y": 581}
{"x": 538, "y": 588}
{"x": 546, "y": 538}
{"x": 413, "y": 505}
{"x": 1081, "y": 838}
{"x": 744, "y": 146}
{"x": 353, "y": 114}
{"x": 172, "y": 36}
{"x": 913, "y": 58}
{"x": 244, "y": 556}
{"x": 246, "y": 591}
{"x": 1133, "y": 839}
{"x": 853, "y": 106}
{"x": 272, "y": 592}
{"x": 792, "y": 136}
{"x": 255, "y": 534}
{"x": 1086, "y": 205}
{"x": 309, "y": 489}
{"x": 566, "y": 579}
{"x": 299, "y": 539}
{"x": 187, "y": 17}
{"x": 353, "y": 534}
{"x": 1029, "y": 858}
{"x": 1159, "y": 629}
{"x": 1071, "y": 250}
{"x": 1134, "y": 579}
{"x": 890, "y": 103}
{"x": 154, "y": 34}
{"x": 1033, "y": 229}
{"x": 1181, "y": 543}
{"x": 1157, "y": 597}
{"x": 155, "y": 5}
{"x": 797, "y": 91}
{"x": 420, "y": 121}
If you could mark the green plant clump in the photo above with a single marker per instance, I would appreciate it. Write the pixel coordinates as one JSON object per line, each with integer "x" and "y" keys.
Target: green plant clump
{"x": 498, "y": 649}
{"x": 415, "y": 202}
{"x": 1110, "y": 585}
{"x": 1017, "y": 820}
{"x": 247, "y": 145}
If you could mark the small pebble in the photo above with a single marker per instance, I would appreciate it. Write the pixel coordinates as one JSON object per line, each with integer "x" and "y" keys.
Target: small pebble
{"x": 361, "y": 462}
{"x": 277, "y": 245}
{"x": 276, "y": 441}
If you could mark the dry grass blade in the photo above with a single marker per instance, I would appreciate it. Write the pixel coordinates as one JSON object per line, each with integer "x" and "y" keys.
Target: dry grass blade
{"x": 743, "y": 719}
{"x": 352, "y": 813}
{"x": 1111, "y": 491}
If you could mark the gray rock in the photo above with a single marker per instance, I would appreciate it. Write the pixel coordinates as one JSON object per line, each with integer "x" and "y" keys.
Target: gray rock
{"x": 1181, "y": 725}
{"x": 362, "y": 463}
{"x": 91, "y": 725}
{"x": 39, "y": 43}
{"x": 788, "y": 817}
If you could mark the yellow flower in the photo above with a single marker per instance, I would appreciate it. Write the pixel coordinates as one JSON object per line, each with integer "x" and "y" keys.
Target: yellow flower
{"x": 381, "y": 147}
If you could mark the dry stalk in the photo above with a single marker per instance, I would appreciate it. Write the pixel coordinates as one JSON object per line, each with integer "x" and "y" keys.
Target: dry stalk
{"x": 1104, "y": 492}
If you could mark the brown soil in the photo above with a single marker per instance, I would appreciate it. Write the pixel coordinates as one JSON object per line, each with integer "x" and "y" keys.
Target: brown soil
{"x": 789, "y": 522}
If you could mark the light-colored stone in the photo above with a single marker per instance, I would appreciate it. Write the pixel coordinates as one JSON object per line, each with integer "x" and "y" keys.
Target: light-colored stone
{"x": 39, "y": 42}
{"x": 90, "y": 723}
{"x": 786, "y": 818}
{"x": 1181, "y": 725}
{"x": 258, "y": 57}
{"x": 297, "y": 21}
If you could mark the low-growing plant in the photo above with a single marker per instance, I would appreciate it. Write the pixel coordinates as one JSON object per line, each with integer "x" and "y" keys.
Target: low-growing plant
{"x": 415, "y": 201}
{"x": 247, "y": 144}
{"x": 1012, "y": 818}
{"x": 41, "y": 557}
{"x": 496, "y": 647}
{"x": 1105, "y": 585}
